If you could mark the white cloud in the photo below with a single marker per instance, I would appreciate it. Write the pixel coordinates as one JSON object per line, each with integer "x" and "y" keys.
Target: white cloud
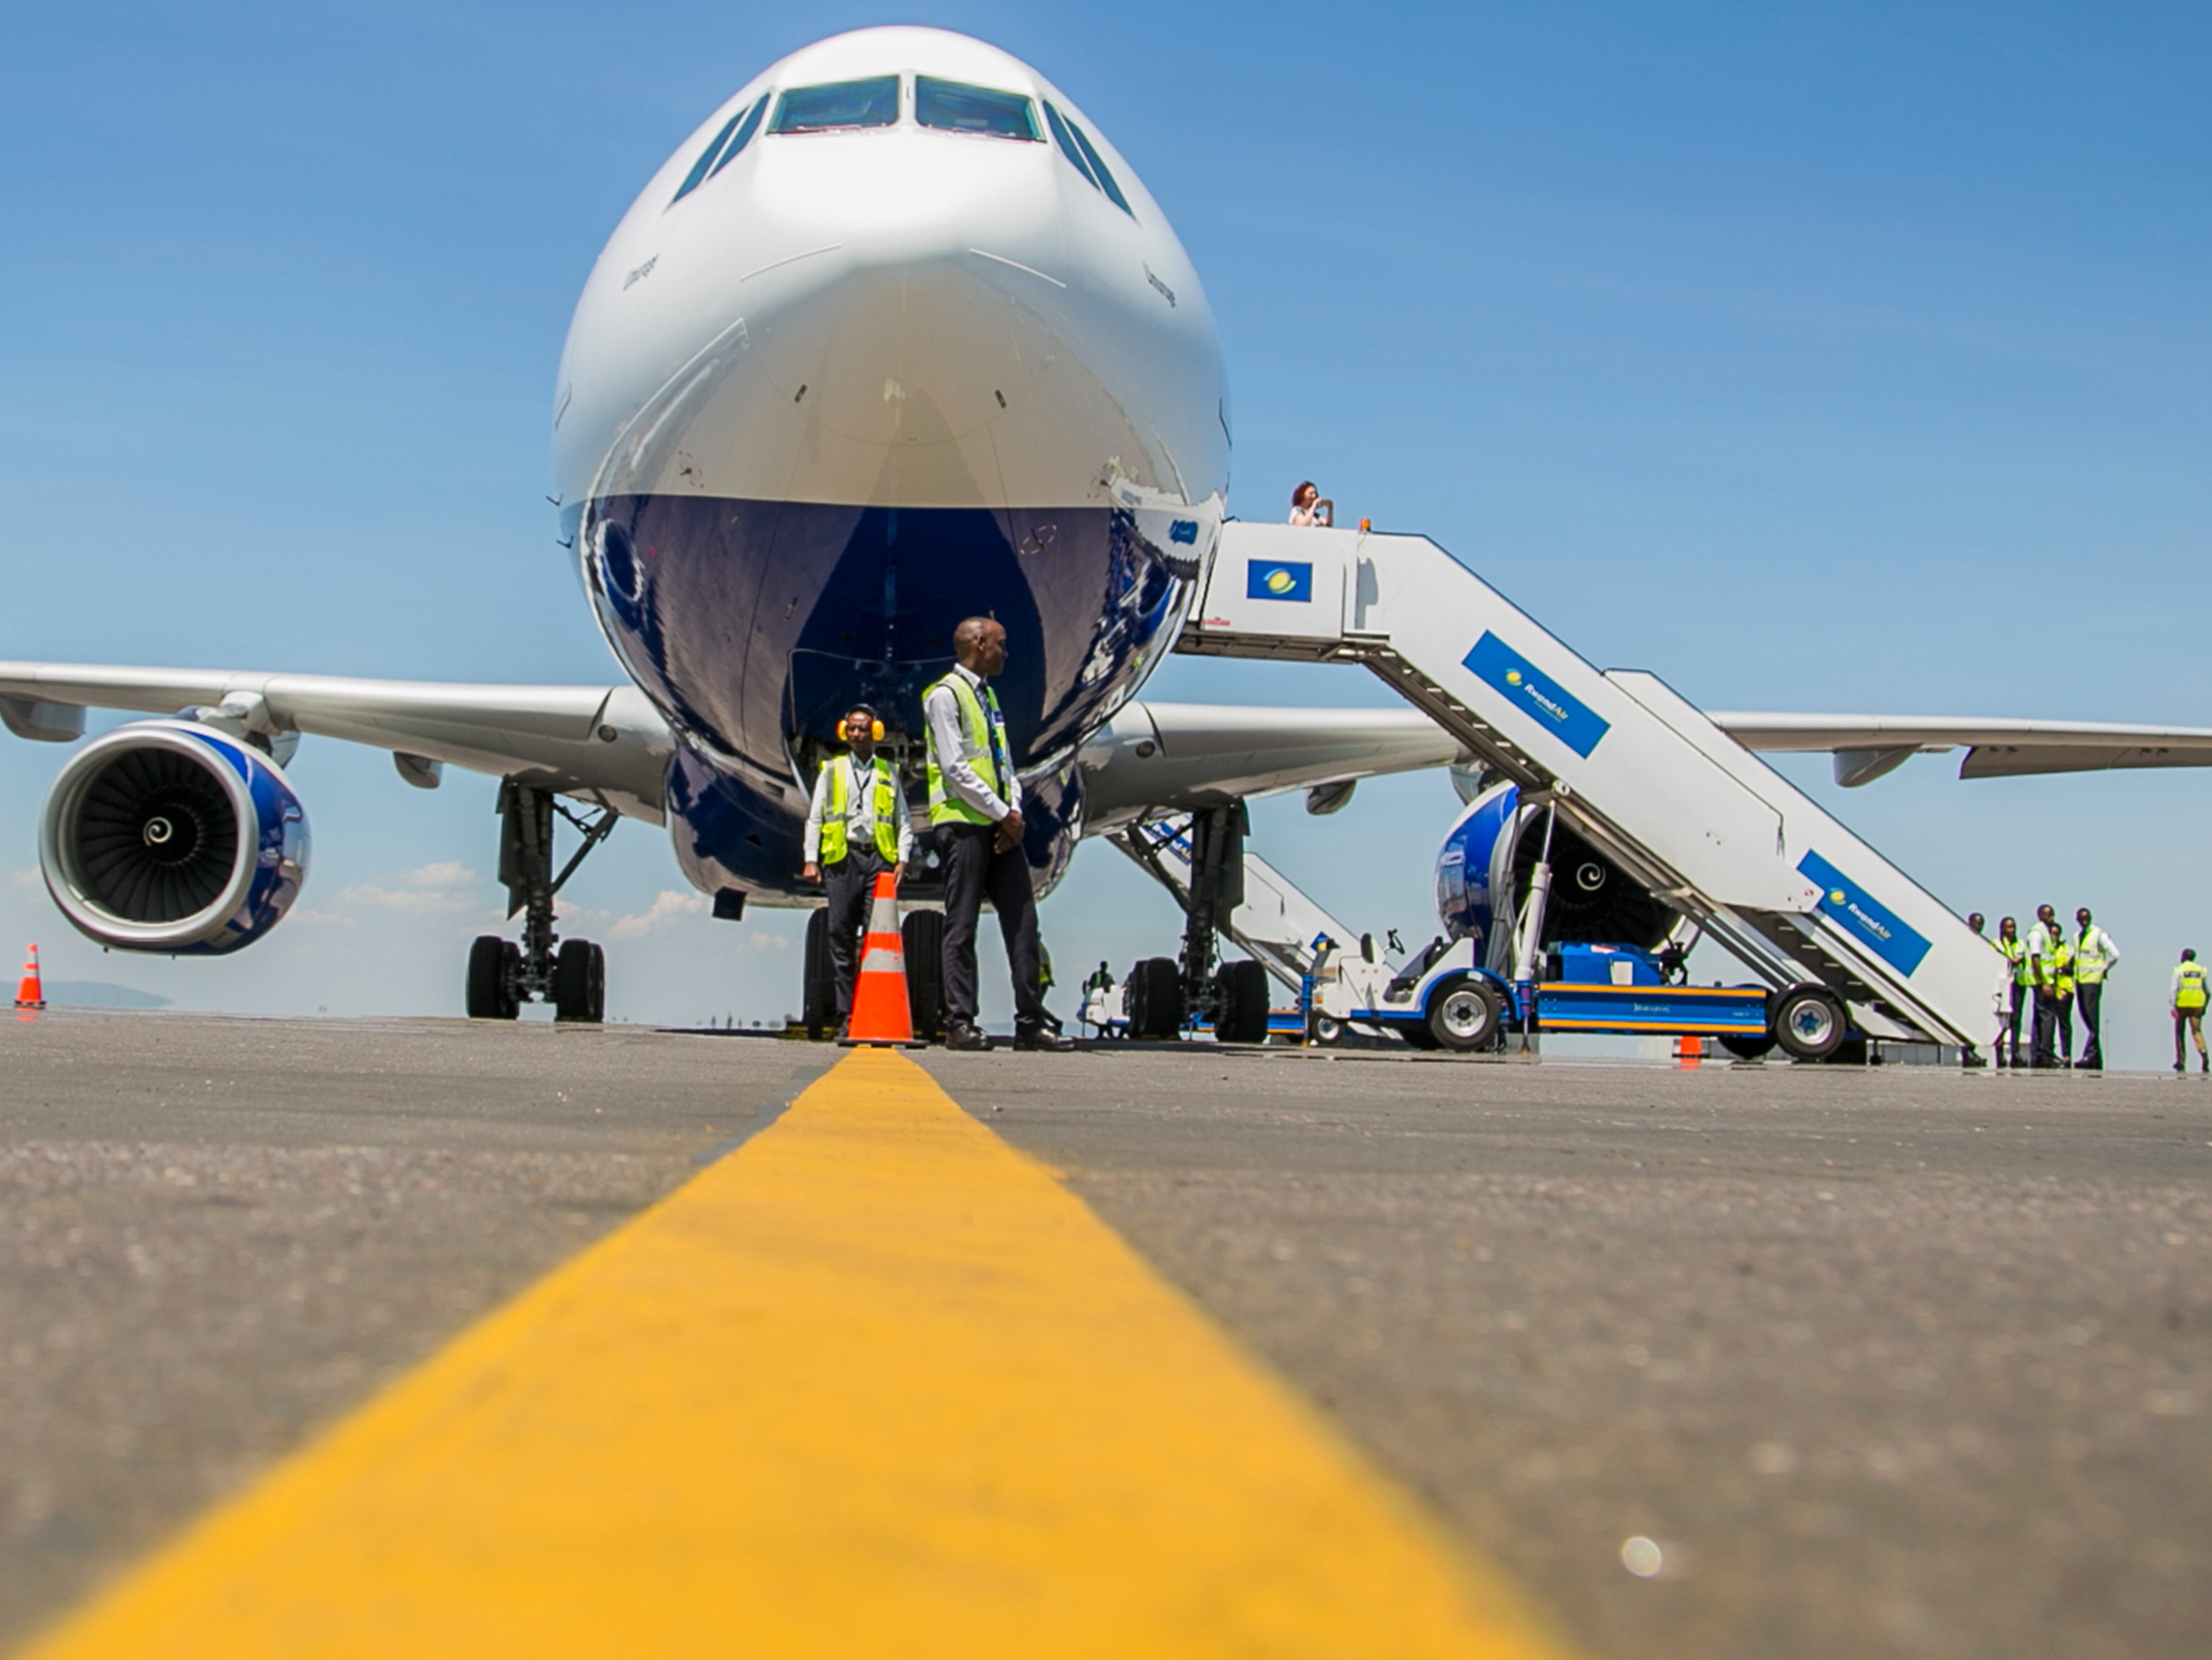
{"x": 28, "y": 880}
{"x": 447, "y": 873}
{"x": 438, "y": 889}
{"x": 759, "y": 939}
{"x": 319, "y": 919}
{"x": 667, "y": 907}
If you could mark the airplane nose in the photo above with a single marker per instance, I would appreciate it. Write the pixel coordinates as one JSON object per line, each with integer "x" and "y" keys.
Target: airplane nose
{"x": 907, "y": 196}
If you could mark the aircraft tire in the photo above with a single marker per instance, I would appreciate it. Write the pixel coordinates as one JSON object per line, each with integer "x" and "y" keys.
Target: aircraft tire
{"x": 818, "y": 1010}
{"x": 1155, "y": 1000}
{"x": 1241, "y": 1000}
{"x": 580, "y": 983}
{"x": 921, "y": 938}
{"x": 488, "y": 996}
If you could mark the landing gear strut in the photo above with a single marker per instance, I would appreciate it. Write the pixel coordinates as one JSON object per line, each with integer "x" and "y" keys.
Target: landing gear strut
{"x": 1162, "y": 993}
{"x": 503, "y": 975}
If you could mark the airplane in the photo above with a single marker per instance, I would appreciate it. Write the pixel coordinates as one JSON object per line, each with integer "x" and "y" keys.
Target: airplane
{"x": 897, "y": 337}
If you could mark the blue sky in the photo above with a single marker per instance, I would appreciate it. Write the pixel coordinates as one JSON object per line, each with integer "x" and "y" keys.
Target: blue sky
{"x": 1856, "y": 358}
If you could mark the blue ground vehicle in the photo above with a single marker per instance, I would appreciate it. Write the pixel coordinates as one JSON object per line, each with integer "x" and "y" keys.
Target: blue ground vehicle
{"x": 1443, "y": 998}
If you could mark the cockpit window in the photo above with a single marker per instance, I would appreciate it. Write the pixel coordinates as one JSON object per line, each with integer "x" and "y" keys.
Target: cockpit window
{"x": 746, "y": 128}
{"x": 1066, "y": 140}
{"x": 1084, "y": 158}
{"x": 959, "y": 108}
{"x": 873, "y": 103}
{"x": 699, "y": 168}
{"x": 1101, "y": 171}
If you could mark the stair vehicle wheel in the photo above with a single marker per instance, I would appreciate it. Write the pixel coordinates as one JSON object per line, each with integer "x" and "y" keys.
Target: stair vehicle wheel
{"x": 580, "y": 983}
{"x": 1808, "y": 1024}
{"x": 1463, "y": 1015}
{"x": 1154, "y": 998}
{"x": 1747, "y": 1049}
{"x": 1327, "y": 1031}
{"x": 490, "y": 987}
{"x": 921, "y": 937}
{"x": 1241, "y": 1003}
{"x": 819, "y": 1010}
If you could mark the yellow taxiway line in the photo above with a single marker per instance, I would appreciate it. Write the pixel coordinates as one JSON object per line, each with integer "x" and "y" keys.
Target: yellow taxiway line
{"x": 875, "y": 1383}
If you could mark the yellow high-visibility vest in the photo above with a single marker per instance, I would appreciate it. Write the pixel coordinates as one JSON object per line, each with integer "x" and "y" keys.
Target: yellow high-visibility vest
{"x": 2188, "y": 988}
{"x": 2092, "y": 955}
{"x": 984, "y": 735}
{"x": 886, "y": 803}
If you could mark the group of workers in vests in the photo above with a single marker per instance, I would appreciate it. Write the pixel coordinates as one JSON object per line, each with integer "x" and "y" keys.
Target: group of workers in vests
{"x": 858, "y": 827}
{"x": 2056, "y": 974}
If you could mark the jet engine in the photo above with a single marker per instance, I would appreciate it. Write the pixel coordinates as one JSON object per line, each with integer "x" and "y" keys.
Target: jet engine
{"x": 172, "y": 836}
{"x": 1483, "y": 870}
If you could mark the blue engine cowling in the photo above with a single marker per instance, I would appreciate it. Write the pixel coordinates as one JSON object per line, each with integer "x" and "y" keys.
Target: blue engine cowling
{"x": 1482, "y": 870}
{"x": 169, "y": 835}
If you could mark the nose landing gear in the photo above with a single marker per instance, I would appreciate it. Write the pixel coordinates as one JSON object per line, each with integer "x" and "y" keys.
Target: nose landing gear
{"x": 1163, "y": 994}
{"x": 502, "y": 975}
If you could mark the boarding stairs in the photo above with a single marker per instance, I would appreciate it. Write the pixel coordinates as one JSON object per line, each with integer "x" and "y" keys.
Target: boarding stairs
{"x": 1675, "y": 801}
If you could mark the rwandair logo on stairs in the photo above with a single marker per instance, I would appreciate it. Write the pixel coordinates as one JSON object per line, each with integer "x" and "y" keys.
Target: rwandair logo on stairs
{"x": 1863, "y": 916}
{"x": 1279, "y": 578}
{"x": 1496, "y": 665}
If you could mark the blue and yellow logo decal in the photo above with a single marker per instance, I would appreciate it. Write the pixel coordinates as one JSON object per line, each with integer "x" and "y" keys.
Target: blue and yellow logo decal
{"x": 1277, "y": 579}
{"x": 1536, "y": 694}
{"x": 1863, "y": 916}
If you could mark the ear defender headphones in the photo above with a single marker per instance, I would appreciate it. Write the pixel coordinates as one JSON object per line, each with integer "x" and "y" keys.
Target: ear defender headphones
{"x": 875, "y": 722}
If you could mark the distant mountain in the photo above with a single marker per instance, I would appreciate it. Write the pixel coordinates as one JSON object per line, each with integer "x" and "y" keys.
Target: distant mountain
{"x": 99, "y": 995}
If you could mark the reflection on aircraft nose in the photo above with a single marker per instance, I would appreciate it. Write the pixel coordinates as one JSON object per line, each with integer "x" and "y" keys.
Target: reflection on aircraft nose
{"x": 893, "y": 199}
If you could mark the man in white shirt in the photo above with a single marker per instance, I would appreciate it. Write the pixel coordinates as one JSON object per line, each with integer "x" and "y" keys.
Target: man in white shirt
{"x": 975, "y": 813}
{"x": 857, "y": 827}
{"x": 2095, "y": 956}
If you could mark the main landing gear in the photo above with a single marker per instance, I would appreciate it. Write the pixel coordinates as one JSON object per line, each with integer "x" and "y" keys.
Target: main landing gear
{"x": 503, "y": 975}
{"x": 1163, "y": 991}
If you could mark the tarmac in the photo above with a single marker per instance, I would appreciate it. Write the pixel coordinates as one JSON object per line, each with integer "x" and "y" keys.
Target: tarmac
{"x": 1558, "y": 1357}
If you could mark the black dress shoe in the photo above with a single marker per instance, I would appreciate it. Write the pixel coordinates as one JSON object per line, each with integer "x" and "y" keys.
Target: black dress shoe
{"x": 1043, "y": 1037}
{"x": 965, "y": 1037}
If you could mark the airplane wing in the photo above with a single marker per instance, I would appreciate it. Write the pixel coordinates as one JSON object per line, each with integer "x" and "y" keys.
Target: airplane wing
{"x": 1155, "y": 757}
{"x": 604, "y": 743}
{"x": 1865, "y": 747}
{"x": 608, "y": 743}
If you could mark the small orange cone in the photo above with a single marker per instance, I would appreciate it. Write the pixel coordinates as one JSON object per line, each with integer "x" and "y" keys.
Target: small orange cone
{"x": 1690, "y": 1050}
{"x": 32, "y": 994}
{"x": 880, "y": 1012}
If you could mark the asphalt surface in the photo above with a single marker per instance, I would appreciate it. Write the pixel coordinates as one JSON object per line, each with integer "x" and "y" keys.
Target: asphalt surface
{"x": 217, "y": 1235}
{"x": 1889, "y": 1362}
{"x": 1896, "y": 1361}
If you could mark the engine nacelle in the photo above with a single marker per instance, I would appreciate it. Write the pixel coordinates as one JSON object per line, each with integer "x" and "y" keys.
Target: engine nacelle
{"x": 172, "y": 837}
{"x": 1483, "y": 870}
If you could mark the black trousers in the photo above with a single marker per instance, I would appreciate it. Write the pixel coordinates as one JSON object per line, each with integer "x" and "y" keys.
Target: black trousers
{"x": 973, "y": 871}
{"x": 2010, "y": 1038}
{"x": 850, "y": 884}
{"x": 2054, "y": 1024}
{"x": 2192, "y": 1022}
{"x": 2090, "y": 995}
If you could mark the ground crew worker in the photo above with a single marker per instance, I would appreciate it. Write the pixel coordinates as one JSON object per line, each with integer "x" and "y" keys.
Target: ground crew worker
{"x": 2051, "y": 958}
{"x": 2189, "y": 1011}
{"x": 974, "y": 811}
{"x": 2023, "y": 977}
{"x": 2095, "y": 956}
{"x": 857, "y": 827}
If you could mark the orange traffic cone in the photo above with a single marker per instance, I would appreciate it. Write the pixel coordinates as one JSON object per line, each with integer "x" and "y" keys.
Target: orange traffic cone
{"x": 880, "y": 1012}
{"x": 1690, "y": 1050}
{"x": 32, "y": 994}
